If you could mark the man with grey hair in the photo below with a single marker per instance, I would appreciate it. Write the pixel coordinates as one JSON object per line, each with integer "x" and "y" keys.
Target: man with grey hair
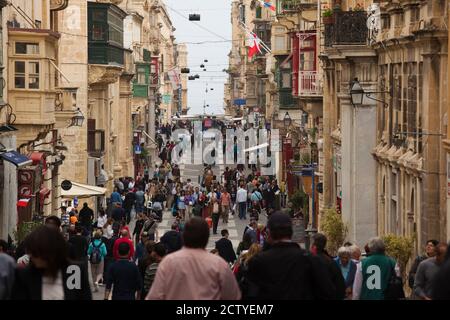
{"x": 373, "y": 273}
{"x": 355, "y": 252}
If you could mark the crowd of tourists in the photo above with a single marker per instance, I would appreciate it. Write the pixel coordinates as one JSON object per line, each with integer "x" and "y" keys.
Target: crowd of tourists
{"x": 143, "y": 264}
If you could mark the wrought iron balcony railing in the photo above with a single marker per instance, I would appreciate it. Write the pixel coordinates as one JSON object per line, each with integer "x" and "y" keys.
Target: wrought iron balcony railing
{"x": 346, "y": 27}
{"x": 295, "y": 5}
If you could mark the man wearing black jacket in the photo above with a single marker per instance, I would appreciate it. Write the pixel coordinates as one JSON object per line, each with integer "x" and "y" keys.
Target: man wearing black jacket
{"x": 225, "y": 247}
{"x": 318, "y": 249}
{"x": 285, "y": 271}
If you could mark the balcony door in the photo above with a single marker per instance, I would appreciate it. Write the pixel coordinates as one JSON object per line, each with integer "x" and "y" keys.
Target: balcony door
{"x": 308, "y": 64}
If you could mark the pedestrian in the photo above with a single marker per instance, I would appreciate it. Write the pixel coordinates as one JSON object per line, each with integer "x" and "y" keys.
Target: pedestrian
{"x": 78, "y": 246}
{"x": 355, "y": 253}
{"x": 427, "y": 270}
{"x": 225, "y": 200}
{"x": 241, "y": 199}
{"x": 284, "y": 270}
{"x": 118, "y": 213}
{"x": 116, "y": 197}
{"x": 7, "y": 271}
{"x": 128, "y": 204}
{"x": 225, "y": 247}
{"x": 441, "y": 289}
{"x": 124, "y": 238}
{"x": 215, "y": 212}
{"x": 158, "y": 253}
{"x": 251, "y": 230}
{"x": 109, "y": 259}
{"x": 205, "y": 276}
{"x": 140, "y": 248}
{"x": 123, "y": 276}
{"x": 140, "y": 200}
{"x": 429, "y": 252}
{"x": 172, "y": 239}
{"x": 139, "y": 224}
{"x": 47, "y": 275}
{"x": 384, "y": 266}
{"x": 248, "y": 289}
{"x": 348, "y": 269}
{"x": 97, "y": 253}
{"x": 65, "y": 220}
{"x": 189, "y": 203}
{"x": 245, "y": 244}
{"x": 102, "y": 219}
{"x": 181, "y": 204}
{"x": 318, "y": 246}
{"x": 151, "y": 226}
{"x": 108, "y": 230}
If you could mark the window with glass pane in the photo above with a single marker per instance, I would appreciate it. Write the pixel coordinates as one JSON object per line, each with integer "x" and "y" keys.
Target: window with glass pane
{"x": 27, "y": 48}
{"x": 307, "y": 61}
{"x": 98, "y": 33}
{"x": 19, "y": 74}
{"x": 141, "y": 75}
{"x": 286, "y": 80}
{"x": 33, "y": 75}
{"x": 280, "y": 43}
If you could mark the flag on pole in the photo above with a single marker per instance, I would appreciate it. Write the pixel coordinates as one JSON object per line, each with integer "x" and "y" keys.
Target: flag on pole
{"x": 267, "y": 4}
{"x": 254, "y": 45}
{"x": 23, "y": 202}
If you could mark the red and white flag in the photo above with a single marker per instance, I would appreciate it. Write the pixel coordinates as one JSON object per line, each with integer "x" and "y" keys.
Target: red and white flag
{"x": 267, "y": 4}
{"x": 254, "y": 45}
{"x": 23, "y": 202}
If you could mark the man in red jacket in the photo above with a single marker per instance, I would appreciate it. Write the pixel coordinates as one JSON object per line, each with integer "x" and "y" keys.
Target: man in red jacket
{"x": 124, "y": 238}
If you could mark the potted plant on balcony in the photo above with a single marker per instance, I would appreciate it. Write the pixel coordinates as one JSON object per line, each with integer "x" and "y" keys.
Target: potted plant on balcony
{"x": 327, "y": 16}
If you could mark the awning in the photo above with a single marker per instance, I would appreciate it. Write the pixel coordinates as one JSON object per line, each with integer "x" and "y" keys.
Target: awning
{"x": 19, "y": 160}
{"x": 83, "y": 190}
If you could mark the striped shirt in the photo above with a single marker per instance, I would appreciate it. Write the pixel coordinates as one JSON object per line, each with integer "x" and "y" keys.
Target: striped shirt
{"x": 149, "y": 277}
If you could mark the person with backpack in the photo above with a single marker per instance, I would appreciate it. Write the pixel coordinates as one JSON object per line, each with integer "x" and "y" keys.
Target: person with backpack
{"x": 97, "y": 253}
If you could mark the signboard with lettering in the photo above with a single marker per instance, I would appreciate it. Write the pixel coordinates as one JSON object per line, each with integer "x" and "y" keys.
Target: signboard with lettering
{"x": 298, "y": 228}
{"x": 240, "y": 102}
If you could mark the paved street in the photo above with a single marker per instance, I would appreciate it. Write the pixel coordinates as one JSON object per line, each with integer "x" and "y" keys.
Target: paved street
{"x": 235, "y": 226}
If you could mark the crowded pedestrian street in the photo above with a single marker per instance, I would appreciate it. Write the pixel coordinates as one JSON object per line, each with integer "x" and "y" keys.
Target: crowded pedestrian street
{"x": 234, "y": 152}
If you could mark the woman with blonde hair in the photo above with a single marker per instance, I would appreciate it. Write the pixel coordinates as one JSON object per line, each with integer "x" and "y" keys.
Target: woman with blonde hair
{"x": 248, "y": 289}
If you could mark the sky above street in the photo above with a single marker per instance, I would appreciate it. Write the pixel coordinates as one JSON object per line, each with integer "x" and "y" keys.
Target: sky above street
{"x": 215, "y": 17}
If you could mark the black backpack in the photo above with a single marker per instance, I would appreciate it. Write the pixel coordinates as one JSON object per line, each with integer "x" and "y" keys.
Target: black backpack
{"x": 96, "y": 255}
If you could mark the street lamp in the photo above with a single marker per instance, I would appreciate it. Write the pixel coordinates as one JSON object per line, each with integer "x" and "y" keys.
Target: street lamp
{"x": 77, "y": 120}
{"x": 287, "y": 120}
{"x": 357, "y": 94}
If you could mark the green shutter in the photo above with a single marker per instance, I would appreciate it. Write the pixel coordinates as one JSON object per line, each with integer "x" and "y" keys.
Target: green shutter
{"x": 258, "y": 12}
{"x": 147, "y": 57}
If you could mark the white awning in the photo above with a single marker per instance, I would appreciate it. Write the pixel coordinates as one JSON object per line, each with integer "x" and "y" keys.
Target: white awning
{"x": 83, "y": 190}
